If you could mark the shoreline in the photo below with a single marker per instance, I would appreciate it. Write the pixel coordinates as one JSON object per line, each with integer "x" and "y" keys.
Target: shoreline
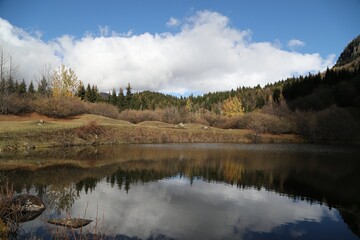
{"x": 31, "y": 132}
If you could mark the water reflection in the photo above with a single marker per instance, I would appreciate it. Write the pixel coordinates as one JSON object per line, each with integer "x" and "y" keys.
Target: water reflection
{"x": 202, "y": 191}
{"x": 205, "y": 211}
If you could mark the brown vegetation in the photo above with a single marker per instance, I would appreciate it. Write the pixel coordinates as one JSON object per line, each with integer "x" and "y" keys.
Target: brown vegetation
{"x": 63, "y": 107}
{"x": 92, "y": 129}
{"x": 59, "y": 107}
{"x": 8, "y": 214}
{"x": 332, "y": 124}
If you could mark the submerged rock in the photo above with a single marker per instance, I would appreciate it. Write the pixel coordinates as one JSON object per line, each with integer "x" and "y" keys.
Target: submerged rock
{"x": 70, "y": 222}
{"x": 21, "y": 208}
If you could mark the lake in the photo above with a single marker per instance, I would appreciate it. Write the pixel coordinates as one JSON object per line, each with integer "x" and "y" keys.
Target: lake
{"x": 193, "y": 191}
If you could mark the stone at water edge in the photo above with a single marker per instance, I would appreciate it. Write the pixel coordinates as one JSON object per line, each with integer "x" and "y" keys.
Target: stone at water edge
{"x": 70, "y": 222}
{"x": 22, "y": 208}
{"x": 28, "y": 203}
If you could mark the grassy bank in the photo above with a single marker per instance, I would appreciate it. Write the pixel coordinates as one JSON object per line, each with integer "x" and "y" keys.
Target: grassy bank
{"x": 36, "y": 131}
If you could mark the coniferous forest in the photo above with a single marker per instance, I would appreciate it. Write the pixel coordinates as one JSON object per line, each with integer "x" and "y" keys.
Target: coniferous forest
{"x": 323, "y": 106}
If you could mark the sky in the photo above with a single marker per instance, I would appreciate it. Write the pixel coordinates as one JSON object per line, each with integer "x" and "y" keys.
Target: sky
{"x": 177, "y": 47}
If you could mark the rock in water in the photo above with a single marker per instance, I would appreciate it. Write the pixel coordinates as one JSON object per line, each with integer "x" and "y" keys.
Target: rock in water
{"x": 22, "y": 208}
{"x": 70, "y": 222}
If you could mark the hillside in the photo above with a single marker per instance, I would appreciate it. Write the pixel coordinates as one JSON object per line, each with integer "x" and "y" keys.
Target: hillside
{"x": 350, "y": 57}
{"x": 37, "y": 131}
{"x": 298, "y": 105}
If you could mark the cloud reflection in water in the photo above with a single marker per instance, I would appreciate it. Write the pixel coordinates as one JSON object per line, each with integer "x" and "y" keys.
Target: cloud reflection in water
{"x": 175, "y": 208}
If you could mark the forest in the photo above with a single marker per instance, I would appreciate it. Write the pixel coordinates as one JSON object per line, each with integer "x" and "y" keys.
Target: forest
{"x": 323, "y": 106}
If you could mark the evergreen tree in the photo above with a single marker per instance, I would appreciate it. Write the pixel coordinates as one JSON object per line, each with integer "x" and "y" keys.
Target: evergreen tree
{"x": 2, "y": 86}
{"x": 260, "y": 101}
{"x": 88, "y": 93}
{"x": 81, "y": 91}
{"x": 16, "y": 87}
{"x": 143, "y": 104}
{"x": 276, "y": 95}
{"x": 10, "y": 86}
{"x": 44, "y": 87}
{"x": 129, "y": 97}
{"x": 121, "y": 100}
{"x": 22, "y": 88}
{"x": 113, "y": 99}
{"x": 95, "y": 94}
{"x": 31, "y": 89}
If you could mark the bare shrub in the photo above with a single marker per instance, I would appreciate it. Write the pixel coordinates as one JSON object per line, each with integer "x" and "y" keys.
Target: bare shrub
{"x": 14, "y": 104}
{"x": 7, "y": 224}
{"x": 60, "y": 107}
{"x": 195, "y": 118}
{"x": 265, "y": 123}
{"x": 104, "y": 109}
{"x": 331, "y": 124}
{"x": 136, "y": 116}
{"x": 211, "y": 118}
{"x": 173, "y": 115}
{"x": 306, "y": 124}
{"x": 336, "y": 124}
{"x": 90, "y": 129}
{"x": 281, "y": 109}
{"x": 226, "y": 122}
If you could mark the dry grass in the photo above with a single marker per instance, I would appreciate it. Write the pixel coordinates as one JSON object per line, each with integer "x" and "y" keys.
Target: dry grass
{"x": 34, "y": 131}
{"x": 33, "y": 122}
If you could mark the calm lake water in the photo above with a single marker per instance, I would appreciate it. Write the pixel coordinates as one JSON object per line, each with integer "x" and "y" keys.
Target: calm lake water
{"x": 194, "y": 191}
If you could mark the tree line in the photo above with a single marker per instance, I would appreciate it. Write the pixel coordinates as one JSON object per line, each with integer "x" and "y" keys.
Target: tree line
{"x": 311, "y": 92}
{"x": 295, "y": 105}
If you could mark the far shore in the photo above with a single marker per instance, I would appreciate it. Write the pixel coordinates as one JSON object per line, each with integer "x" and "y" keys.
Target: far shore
{"x": 36, "y": 131}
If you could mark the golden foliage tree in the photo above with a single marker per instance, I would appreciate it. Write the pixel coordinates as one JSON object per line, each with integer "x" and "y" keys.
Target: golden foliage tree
{"x": 232, "y": 107}
{"x": 189, "y": 105}
{"x": 64, "y": 82}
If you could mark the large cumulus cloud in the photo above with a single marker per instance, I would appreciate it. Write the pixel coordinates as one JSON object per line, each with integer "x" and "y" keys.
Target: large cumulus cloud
{"x": 206, "y": 53}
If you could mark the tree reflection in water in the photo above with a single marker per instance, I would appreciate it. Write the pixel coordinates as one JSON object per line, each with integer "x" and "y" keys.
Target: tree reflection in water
{"x": 328, "y": 175}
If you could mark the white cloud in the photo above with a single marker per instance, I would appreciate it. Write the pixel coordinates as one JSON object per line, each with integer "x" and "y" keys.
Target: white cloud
{"x": 173, "y": 22}
{"x": 104, "y": 31}
{"x": 206, "y": 54}
{"x": 295, "y": 43}
{"x": 28, "y": 52}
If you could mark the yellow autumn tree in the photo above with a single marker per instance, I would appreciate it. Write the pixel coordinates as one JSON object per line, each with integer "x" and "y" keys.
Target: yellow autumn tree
{"x": 189, "y": 105}
{"x": 64, "y": 82}
{"x": 232, "y": 107}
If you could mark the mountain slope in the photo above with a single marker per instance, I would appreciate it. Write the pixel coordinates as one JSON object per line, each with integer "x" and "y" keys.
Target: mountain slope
{"x": 350, "y": 57}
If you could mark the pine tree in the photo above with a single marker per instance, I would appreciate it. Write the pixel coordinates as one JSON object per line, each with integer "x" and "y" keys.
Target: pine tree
{"x": 31, "y": 89}
{"x": 2, "y": 86}
{"x": 95, "y": 94}
{"x": 276, "y": 95}
{"x": 113, "y": 98}
{"x": 10, "y": 86}
{"x": 44, "y": 87}
{"x": 81, "y": 91}
{"x": 121, "y": 100}
{"x": 129, "y": 97}
{"x": 16, "y": 87}
{"x": 22, "y": 88}
{"x": 88, "y": 93}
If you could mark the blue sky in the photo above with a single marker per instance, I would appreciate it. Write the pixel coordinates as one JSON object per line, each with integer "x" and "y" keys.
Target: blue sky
{"x": 317, "y": 28}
